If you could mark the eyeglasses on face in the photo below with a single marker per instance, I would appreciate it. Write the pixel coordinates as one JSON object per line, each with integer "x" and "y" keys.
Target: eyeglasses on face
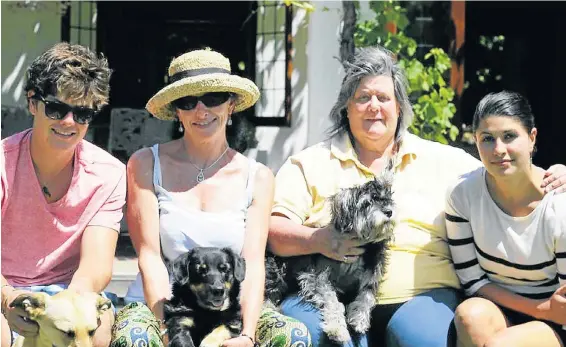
{"x": 214, "y": 99}
{"x": 57, "y": 110}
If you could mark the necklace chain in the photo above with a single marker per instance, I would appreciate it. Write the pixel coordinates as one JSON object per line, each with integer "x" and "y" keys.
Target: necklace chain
{"x": 200, "y": 176}
{"x": 44, "y": 188}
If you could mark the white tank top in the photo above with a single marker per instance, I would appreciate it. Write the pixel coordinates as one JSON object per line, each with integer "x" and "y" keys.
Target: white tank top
{"x": 182, "y": 229}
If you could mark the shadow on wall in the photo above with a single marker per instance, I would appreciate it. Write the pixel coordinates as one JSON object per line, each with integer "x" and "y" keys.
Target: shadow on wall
{"x": 15, "y": 119}
{"x": 276, "y": 144}
{"x": 28, "y": 29}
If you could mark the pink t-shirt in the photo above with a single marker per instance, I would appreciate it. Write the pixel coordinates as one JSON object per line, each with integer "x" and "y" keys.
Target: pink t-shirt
{"x": 41, "y": 241}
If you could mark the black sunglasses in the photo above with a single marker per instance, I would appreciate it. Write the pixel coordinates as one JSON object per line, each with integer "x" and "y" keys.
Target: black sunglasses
{"x": 57, "y": 110}
{"x": 187, "y": 103}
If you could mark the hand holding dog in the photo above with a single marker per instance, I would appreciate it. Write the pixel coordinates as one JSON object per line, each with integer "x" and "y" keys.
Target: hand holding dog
{"x": 338, "y": 246}
{"x": 17, "y": 318}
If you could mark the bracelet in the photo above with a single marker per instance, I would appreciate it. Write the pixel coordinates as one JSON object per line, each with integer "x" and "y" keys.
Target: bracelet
{"x": 251, "y": 339}
{"x": 163, "y": 331}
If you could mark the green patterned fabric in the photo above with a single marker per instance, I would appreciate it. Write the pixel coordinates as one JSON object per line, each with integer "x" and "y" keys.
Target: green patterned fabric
{"x": 277, "y": 330}
{"x": 136, "y": 326}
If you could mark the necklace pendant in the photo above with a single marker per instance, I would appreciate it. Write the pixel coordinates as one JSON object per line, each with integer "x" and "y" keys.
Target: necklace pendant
{"x": 200, "y": 176}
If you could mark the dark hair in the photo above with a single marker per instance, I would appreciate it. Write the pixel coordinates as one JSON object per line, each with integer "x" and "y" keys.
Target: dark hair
{"x": 371, "y": 61}
{"x": 73, "y": 72}
{"x": 505, "y": 104}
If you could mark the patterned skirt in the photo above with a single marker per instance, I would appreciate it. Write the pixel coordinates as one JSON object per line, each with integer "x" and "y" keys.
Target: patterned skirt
{"x": 136, "y": 326}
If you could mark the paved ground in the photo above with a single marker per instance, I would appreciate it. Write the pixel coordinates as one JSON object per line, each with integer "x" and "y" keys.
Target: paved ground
{"x": 125, "y": 271}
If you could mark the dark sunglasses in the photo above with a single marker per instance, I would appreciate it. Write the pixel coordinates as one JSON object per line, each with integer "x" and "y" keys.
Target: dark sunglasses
{"x": 57, "y": 110}
{"x": 187, "y": 103}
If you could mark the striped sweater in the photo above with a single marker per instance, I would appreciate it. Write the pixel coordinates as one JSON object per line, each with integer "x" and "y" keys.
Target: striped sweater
{"x": 526, "y": 255}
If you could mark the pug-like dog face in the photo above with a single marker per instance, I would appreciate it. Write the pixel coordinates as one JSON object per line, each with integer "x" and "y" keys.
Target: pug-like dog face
{"x": 211, "y": 274}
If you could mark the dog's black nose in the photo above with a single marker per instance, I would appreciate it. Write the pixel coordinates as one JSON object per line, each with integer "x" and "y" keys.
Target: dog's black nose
{"x": 217, "y": 291}
{"x": 388, "y": 213}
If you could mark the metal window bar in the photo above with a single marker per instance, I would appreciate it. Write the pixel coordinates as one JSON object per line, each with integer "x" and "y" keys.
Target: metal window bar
{"x": 279, "y": 113}
{"x": 75, "y": 29}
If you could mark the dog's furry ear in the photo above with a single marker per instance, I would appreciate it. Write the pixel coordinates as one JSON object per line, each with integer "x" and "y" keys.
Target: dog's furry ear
{"x": 102, "y": 304}
{"x": 180, "y": 268}
{"x": 388, "y": 174}
{"x": 239, "y": 264}
{"x": 33, "y": 303}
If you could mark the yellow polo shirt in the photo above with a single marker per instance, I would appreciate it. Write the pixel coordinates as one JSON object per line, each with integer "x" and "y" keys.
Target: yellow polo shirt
{"x": 419, "y": 259}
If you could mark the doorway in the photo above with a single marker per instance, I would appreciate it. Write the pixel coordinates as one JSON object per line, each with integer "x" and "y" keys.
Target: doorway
{"x": 529, "y": 60}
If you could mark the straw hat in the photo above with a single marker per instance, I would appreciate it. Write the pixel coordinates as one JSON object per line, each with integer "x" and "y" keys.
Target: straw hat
{"x": 200, "y": 72}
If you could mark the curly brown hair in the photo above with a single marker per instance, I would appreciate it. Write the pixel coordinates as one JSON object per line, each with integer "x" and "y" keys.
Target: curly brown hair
{"x": 71, "y": 72}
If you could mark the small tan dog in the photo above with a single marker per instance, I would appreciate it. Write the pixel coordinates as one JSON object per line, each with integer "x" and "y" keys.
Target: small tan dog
{"x": 65, "y": 319}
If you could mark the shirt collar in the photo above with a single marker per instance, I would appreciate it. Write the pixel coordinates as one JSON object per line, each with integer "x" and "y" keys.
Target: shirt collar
{"x": 408, "y": 150}
{"x": 341, "y": 148}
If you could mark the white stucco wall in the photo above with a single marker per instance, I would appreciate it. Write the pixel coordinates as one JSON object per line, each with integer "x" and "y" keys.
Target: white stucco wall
{"x": 315, "y": 82}
{"x": 26, "y": 34}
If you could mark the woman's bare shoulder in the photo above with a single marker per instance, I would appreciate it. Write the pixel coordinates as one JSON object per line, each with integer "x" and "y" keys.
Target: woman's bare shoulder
{"x": 140, "y": 159}
{"x": 141, "y": 162}
{"x": 263, "y": 174}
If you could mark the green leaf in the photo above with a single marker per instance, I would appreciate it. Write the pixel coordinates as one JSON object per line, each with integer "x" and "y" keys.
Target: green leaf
{"x": 433, "y": 108}
{"x": 453, "y": 133}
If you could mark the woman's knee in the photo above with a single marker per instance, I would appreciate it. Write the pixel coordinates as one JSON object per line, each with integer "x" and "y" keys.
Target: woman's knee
{"x": 478, "y": 313}
{"x": 135, "y": 325}
{"x": 278, "y": 330}
{"x": 424, "y": 320}
{"x": 309, "y": 316}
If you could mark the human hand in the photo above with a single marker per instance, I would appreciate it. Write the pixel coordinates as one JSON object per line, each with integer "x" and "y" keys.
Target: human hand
{"x": 556, "y": 307}
{"x": 555, "y": 179}
{"x": 240, "y": 341}
{"x": 17, "y": 317}
{"x": 337, "y": 246}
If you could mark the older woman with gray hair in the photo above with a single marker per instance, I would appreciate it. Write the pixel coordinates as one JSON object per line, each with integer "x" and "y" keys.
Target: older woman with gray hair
{"x": 420, "y": 290}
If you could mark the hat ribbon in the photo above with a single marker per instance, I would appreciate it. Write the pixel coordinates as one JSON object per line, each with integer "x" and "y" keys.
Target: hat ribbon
{"x": 196, "y": 72}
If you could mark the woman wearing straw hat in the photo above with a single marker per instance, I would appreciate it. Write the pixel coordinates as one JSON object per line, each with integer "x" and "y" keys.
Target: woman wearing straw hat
{"x": 197, "y": 191}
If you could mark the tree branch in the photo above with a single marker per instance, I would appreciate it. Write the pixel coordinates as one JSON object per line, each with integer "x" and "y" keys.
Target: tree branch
{"x": 347, "y": 46}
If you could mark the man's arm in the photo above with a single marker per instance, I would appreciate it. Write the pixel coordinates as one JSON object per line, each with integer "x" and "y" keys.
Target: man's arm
{"x": 98, "y": 246}
{"x": 98, "y": 242}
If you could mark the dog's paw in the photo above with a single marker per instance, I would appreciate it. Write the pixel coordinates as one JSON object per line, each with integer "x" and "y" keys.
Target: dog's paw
{"x": 358, "y": 318}
{"x": 216, "y": 337}
{"x": 336, "y": 330}
{"x": 359, "y": 323}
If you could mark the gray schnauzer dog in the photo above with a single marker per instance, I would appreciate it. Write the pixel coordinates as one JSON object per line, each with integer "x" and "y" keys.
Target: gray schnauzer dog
{"x": 345, "y": 293}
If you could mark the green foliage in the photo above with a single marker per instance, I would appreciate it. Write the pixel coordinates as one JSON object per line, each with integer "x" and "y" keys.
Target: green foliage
{"x": 494, "y": 44}
{"x": 432, "y": 97}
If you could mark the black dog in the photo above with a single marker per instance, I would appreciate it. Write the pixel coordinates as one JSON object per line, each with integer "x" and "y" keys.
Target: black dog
{"x": 344, "y": 292}
{"x": 205, "y": 308}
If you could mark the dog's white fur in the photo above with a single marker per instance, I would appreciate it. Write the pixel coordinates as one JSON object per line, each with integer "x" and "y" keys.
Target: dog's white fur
{"x": 66, "y": 319}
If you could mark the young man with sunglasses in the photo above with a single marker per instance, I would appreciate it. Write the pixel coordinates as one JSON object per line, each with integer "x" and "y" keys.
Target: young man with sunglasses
{"x": 62, "y": 197}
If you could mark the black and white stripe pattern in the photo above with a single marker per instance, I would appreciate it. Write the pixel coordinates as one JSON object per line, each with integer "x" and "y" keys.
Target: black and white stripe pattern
{"x": 526, "y": 255}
